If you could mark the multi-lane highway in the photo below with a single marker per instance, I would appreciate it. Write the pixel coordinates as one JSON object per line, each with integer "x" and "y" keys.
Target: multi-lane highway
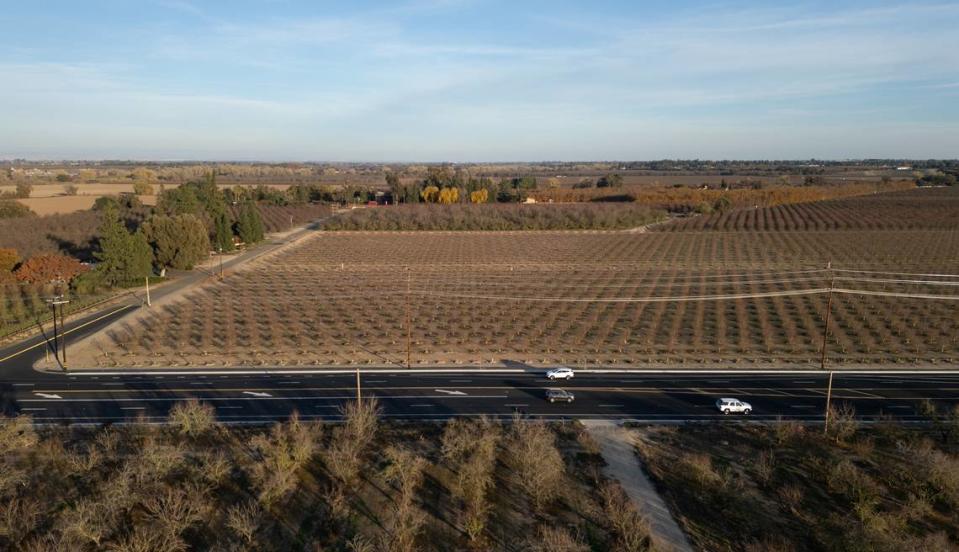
{"x": 95, "y": 397}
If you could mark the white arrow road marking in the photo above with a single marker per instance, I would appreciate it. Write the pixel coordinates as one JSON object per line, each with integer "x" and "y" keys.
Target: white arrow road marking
{"x": 48, "y": 395}
{"x": 257, "y": 394}
{"x": 449, "y": 392}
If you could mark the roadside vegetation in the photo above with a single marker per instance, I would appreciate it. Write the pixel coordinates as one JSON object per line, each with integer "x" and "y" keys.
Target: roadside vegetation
{"x": 361, "y": 485}
{"x": 497, "y": 217}
{"x": 787, "y": 487}
{"x": 121, "y": 241}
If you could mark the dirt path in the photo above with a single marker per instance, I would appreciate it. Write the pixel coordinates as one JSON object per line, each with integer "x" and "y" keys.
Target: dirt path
{"x": 616, "y": 446}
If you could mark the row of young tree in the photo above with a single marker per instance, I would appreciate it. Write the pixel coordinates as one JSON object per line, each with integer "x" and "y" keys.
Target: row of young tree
{"x": 447, "y": 186}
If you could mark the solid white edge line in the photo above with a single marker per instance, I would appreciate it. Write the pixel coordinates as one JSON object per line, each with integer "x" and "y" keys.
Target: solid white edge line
{"x": 461, "y": 371}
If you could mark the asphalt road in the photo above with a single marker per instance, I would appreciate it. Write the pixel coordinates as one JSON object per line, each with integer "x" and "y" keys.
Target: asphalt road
{"x": 17, "y": 359}
{"x": 253, "y": 397}
{"x": 250, "y": 396}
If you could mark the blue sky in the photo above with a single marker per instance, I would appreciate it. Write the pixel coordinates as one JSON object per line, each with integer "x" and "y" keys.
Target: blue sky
{"x": 477, "y": 80}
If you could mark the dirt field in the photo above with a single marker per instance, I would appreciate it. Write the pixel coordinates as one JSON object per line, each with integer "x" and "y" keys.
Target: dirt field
{"x": 582, "y": 298}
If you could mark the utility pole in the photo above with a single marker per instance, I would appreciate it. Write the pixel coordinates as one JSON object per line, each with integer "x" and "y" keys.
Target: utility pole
{"x": 359, "y": 396}
{"x": 147, "y": 279}
{"x": 59, "y": 342}
{"x": 63, "y": 338}
{"x": 822, "y": 358}
{"x": 825, "y": 331}
{"x": 56, "y": 351}
{"x": 220, "y": 251}
{"x": 825, "y": 429}
{"x": 409, "y": 327}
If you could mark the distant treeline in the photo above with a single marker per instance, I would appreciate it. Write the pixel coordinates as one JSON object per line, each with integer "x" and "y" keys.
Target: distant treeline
{"x": 497, "y": 217}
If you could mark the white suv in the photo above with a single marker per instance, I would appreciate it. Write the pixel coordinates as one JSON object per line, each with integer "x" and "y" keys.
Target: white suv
{"x": 559, "y": 373}
{"x": 729, "y": 406}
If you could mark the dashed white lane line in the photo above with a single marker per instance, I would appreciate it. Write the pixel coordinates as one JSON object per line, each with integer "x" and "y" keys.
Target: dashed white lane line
{"x": 120, "y": 383}
{"x": 31, "y": 409}
{"x": 515, "y": 405}
{"x": 802, "y": 406}
{"x": 133, "y": 408}
{"x": 376, "y": 381}
{"x": 610, "y": 406}
{"x": 421, "y": 405}
{"x": 894, "y": 406}
{"x": 23, "y": 384}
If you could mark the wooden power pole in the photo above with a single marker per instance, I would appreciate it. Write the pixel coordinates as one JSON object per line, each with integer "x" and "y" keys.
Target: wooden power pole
{"x": 409, "y": 326}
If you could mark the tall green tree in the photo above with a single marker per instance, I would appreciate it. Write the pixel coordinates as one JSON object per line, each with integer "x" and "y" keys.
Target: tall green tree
{"x": 123, "y": 256}
{"x": 222, "y": 232}
{"x": 178, "y": 242}
{"x": 249, "y": 226}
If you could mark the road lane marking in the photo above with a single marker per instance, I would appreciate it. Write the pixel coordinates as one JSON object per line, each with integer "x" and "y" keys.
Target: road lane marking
{"x": 257, "y": 394}
{"x": 270, "y": 398}
{"x": 461, "y": 380}
{"x": 71, "y": 330}
{"x": 112, "y": 383}
{"x": 421, "y": 405}
{"x": 610, "y": 406}
{"x": 47, "y": 395}
{"x": 802, "y": 406}
{"x": 289, "y": 383}
{"x": 898, "y": 406}
{"x": 377, "y": 381}
{"x": 24, "y": 384}
{"x": 449, "y": 392}
{"x": 31, "y": 409}
{"x": 229, "y": 407}
{"x": 133, "y": 408}
{"x": 515, "y": 405}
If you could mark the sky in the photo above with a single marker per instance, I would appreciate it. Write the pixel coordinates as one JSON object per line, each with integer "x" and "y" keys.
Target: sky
{"x": 477, "y": 80}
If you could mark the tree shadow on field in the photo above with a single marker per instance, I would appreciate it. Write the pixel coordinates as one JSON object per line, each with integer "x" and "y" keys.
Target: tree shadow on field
{"x": 82, "y": 251}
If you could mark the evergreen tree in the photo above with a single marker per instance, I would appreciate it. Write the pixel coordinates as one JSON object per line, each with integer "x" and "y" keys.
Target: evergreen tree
{"x": 178, "y": 242}
{"x": 250, "y": 226}
{"x": 123, "y": 257}
{"x": 222, "y": 232}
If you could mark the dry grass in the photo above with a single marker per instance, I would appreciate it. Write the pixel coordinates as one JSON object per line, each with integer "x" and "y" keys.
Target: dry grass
{"x": 746, "y": 487}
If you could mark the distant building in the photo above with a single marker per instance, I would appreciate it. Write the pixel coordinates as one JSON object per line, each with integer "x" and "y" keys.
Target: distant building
{"x": 903, "y": 168}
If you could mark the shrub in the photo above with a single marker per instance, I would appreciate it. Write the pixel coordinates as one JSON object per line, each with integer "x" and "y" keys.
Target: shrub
{"x": 43, "y": 269}
{"x": 141, "y": 187}
{"x": 538, "y": 463}
{"x": 557, "y": 539}
{"x": 193, "y": 418}
{"x": 842, "y": 422}
{"x": 71, "y": 190}
{"x": 14, "y": 209}
{"x": 281, "y": 455}
{"x": 24, "y": 190}
{"x": 8, "y": 260}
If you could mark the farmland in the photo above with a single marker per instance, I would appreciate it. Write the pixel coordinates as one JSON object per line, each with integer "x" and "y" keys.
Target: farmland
{"x": 737, "y": 298}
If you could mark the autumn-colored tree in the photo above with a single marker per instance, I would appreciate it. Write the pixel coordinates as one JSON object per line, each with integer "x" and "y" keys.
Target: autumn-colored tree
{"x": 48, "y": 268}
{"x": 479, "y": 196}
{"x": 24, "y": 190}
{"x": 449, "y": 196}
{"x": 430, "y": 194}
